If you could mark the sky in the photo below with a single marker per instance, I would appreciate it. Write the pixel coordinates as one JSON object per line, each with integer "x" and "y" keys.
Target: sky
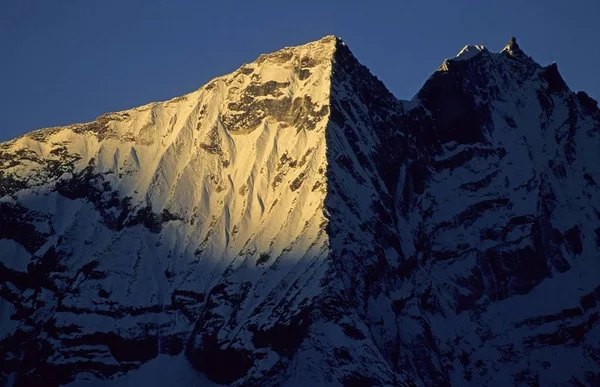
{"x": 63, "y": 62}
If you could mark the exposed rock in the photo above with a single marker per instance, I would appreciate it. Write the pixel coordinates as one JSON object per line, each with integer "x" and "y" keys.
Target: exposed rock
{"x": 293, "y": 223}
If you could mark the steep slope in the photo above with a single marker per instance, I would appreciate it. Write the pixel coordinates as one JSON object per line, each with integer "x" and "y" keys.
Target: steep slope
{"x": 292, "y": 223}
{"x": 195, "y": 225}
{"x": 502, "y": 204}
{"x": 137, "y": 227}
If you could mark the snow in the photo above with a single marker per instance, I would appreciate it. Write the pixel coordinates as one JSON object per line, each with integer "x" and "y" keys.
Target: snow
{"x": 469, "y": 52}
{"x": 161, "y": 371}
{"x": 255, "y": 206}
{"x": 234, "y": 203}
{"x": 13, "y": 255}
{"x": 7, "y": 324}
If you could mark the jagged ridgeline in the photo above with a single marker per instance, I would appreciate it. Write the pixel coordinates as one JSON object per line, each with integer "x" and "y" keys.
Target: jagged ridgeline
{"x": 294, "y": 224}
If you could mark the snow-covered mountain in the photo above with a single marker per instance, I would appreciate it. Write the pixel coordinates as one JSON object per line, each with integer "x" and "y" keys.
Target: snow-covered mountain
{"x": 294, "y": 224}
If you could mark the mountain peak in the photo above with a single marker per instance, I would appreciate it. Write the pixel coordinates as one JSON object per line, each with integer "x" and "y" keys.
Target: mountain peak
{"x": 293, "y": 223}
{"x": 316, "y": 50}
{"x": 329, "y": 38}
{"x": 512, "y": 48}
{"x": 470, "y": 51}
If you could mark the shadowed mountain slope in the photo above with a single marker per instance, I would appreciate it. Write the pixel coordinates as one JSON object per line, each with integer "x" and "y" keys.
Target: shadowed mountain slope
{"x": 293, "y": 223}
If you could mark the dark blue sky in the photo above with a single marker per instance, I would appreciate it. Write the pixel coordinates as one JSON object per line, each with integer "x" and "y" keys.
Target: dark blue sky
{"x": 69, "y": 61}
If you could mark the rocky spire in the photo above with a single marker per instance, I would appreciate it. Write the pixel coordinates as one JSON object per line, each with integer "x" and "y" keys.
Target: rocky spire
{"x": 512, "y": 48}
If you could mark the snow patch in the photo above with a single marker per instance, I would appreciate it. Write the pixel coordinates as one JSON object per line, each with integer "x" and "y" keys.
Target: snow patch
{"x": 161, "y": 371}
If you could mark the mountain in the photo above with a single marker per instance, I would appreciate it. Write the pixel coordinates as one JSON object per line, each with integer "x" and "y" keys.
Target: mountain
{"x": 293, "y": 224}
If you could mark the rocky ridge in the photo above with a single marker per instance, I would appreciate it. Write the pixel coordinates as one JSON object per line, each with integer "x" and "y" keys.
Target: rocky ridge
{"x": 293, "y": 223}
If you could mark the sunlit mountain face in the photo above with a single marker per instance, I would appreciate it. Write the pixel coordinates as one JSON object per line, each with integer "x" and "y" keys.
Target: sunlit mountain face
{"x": 294, "y": 224}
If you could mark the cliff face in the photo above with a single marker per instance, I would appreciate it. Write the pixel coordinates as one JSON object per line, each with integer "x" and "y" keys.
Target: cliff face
{"x": 499, "y": 201}
{"x": 292, "y": 223}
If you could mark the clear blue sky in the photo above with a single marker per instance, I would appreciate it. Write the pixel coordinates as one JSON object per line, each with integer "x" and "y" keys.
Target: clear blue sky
{"x": 69, "y": 61}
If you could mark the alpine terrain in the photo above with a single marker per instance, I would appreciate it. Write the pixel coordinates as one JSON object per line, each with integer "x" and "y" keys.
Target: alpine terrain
{"x": 294, "y": 224}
